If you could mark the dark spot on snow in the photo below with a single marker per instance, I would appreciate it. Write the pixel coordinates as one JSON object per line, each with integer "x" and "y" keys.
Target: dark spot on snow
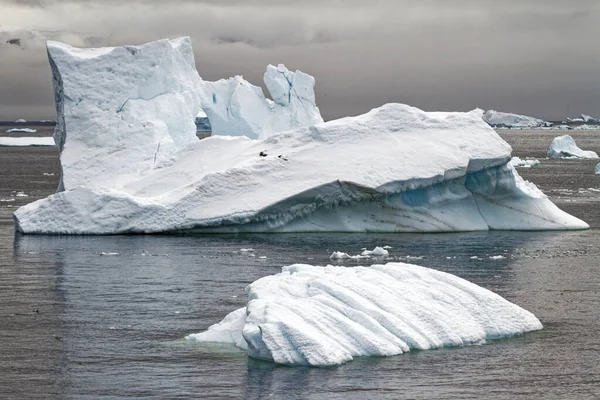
{"x": 263, "y": 153}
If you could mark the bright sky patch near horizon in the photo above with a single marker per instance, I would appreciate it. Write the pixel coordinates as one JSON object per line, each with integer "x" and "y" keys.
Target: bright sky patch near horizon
{"x": 533, "y": 57}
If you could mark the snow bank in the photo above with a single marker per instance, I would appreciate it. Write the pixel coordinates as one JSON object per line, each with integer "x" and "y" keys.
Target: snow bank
{"x": 519, "y": 163}
{"x": 324, "y": 316}
{"x": 131, "y": 162}
{"x": 565, "y": 147}
{"x": 24, "y": 130}
{"x": 26, "y": 141}
{"x": 499, "y": 119}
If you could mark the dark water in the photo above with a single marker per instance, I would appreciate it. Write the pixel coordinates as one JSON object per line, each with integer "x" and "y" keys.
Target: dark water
{"x": 78, "y": 324}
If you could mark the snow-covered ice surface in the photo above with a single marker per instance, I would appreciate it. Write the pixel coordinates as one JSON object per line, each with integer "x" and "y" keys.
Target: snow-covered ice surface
{"x": 498, "y": 119}
{"x": 523, "y": 163}
{"x": 565, "y": 147}
{"x": 326, "y": 316}
{"x": 26, "y": 141}
{"x": 24, "y": 130}
{"x": 131, "y": 162}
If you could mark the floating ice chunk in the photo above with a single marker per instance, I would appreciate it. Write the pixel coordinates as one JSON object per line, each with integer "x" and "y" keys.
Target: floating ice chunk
{"x": 338, "y": 255}
{"x": 21, "y": 194}
{"x": 376, "y": 252}
{"x": 6, "y": 200}
{"x": 26, "y": 141}
{"x": 518, "y": 162}
{"x": 24, "y": 130}
{"x": 20, "y": 121}
{"x": 385, "y": 247}
{"x": 565, "y": 147}
{"x": 263, "y": 257}
{"x": 498, "y": 257}
{"x": 250, "y": 250}
{"x": 107, "y": 253}
{"x": 499, "y": 119}
{"x": 323, "y": 316}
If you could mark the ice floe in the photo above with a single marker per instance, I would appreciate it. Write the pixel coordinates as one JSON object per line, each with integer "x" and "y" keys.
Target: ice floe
{"x": 23, "y": 130}
{"x": 523, "y": 163}
{"x": 26, "y": 141}
{"x": 325, "y": 316}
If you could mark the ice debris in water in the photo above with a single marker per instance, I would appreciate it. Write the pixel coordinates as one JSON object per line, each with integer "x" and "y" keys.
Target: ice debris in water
{"x": 527, "y": 163}
{"x": 325, "y": 316}
{"x": 132, "y": 163}
{"x": 498, "y": 257}
{"x": 376, "y": 252}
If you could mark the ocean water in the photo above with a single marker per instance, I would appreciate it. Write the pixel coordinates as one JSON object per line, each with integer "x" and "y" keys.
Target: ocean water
{"x": 106, "y": 317}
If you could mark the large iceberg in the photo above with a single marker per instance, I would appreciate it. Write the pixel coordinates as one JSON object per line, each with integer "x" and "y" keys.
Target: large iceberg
{"x": 498, "y": 119}
{"x": 324, "y": 316}
{"x": 131, "y": 161}
{"x": 565, "y": 147}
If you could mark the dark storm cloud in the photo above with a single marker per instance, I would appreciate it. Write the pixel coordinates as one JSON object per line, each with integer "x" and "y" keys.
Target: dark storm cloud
{"x": 524, "y": 56}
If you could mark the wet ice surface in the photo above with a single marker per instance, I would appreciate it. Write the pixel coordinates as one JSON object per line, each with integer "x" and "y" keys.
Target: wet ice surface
{"x": 76, "y": 323}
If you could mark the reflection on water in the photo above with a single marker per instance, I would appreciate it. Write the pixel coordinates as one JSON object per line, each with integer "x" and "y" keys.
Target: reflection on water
{"x": 113, "y": 325}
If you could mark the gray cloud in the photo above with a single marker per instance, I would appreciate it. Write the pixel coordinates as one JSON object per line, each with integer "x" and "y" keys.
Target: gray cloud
{"x": 533, "y": 57}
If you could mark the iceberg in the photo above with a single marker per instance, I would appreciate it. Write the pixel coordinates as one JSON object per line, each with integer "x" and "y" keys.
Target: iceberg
{"x": 326, "y": 316}
{"x": 499, "y": 119}
{"x": 565, "y": 147}
{"x": 19, "y": 130}
{"x": 131, "y": 161}
{"x": 20, "y": 121}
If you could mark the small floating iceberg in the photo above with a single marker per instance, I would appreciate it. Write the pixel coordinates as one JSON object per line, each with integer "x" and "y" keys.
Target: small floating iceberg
{"x": 26, "y": 141}
{"x": 21, "y": 130}
{"x": 565, "y": 147}
{"x": 326, "y": 316}
{"x": 520, "y": 163}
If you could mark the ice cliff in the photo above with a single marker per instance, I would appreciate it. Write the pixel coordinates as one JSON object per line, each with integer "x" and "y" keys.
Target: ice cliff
{"x": 498, "y": 119}
{"x": 131, "y": 162}
{"x": 324, "y": 316}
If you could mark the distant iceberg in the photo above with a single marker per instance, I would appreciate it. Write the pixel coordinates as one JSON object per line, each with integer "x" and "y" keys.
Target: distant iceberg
{"x": 20, "y": 121}
{"x": 131, "y": 161}
{"x": 498, "y": 119}
{"x": 23, "y": 130}
{"x": 565, "y": 147}
{"x": 326, "y": 316}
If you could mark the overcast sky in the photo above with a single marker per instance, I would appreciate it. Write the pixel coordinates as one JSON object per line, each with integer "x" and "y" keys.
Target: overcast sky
{"x": 536, "y": 57}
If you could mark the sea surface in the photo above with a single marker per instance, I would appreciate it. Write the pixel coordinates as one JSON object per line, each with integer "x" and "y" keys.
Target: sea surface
{"x": 105, "y": 317}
